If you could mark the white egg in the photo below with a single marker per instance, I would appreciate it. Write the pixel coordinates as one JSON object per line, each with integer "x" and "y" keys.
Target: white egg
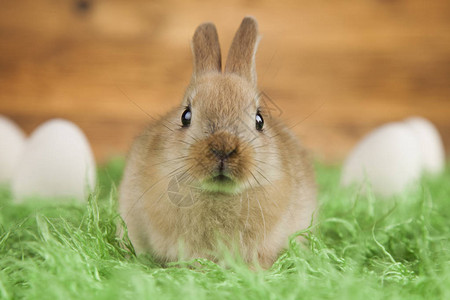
{"x": 57, "y": 163}
{"x": 389, "y": 159}
{"x": 12, "y": 141}
{"x": 432, "y": 149}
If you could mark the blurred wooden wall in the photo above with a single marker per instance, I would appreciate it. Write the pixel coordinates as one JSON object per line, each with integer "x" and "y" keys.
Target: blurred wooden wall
{"x": 339, "y": 67}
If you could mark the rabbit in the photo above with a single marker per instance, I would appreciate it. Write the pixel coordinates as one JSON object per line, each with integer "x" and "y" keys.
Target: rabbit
{"x": 219, "y": 170}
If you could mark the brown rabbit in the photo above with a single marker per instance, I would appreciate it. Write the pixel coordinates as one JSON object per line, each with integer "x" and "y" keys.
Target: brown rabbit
{"x": 218, "y": 170}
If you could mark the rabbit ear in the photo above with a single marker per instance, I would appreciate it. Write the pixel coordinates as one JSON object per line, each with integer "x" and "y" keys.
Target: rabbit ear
{"x": 206, "y": 49}
{"x": 241, "y": 57}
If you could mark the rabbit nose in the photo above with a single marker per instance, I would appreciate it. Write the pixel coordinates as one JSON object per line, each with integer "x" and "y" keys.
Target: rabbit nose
{"x": 223, "y": 146}
{"x": 222, "y": 154}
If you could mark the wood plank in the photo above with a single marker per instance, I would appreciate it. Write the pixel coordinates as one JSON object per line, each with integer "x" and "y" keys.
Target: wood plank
{"x": 340, "y": 68}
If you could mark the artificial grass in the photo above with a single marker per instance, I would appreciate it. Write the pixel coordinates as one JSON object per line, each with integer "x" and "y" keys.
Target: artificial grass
{"x": 361, "y": 248}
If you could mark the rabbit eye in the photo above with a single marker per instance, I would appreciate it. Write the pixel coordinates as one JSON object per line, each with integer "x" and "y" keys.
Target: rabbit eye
{"x": 259, "y": 121}
{"x": 186, "y": 117}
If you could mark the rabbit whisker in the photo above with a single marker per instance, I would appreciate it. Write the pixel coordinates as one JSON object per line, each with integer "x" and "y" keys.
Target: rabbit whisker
{"x": 248, "y": 209}
{"x": 152, "y": 186}
{"x": 261, "y": 210}
{"x": 173, "y": 160}
{"x": 309, "y": 115}
{"x": 138, "y": 106}
{"x": 272, "y": 166}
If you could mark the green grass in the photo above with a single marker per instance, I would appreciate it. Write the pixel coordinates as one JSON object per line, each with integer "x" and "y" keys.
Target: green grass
{"x": 361, "y": 248}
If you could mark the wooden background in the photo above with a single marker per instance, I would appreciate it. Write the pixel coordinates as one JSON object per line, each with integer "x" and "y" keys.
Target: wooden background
{"x": 338, "y": 68}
